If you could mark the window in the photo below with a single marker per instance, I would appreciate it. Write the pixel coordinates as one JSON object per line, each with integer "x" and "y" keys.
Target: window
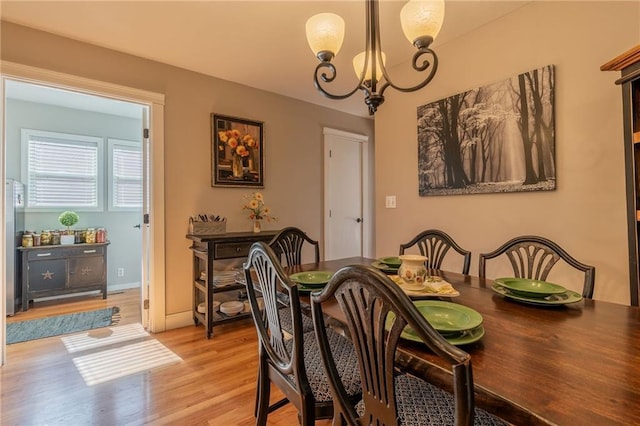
{"x": 62, "y": 171}
{"x": 125, "y": 180}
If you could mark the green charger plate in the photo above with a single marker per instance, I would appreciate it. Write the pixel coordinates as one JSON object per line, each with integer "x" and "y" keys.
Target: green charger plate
{"x": 384, "y": 267}
{"x": 530, "y": 288}
{"x": 551, "y": 300}
{"x": 464, "y": 338}
{"x": 392, "y": 261}
{"x": 302, "y": 288}
{"x": 312, "y": 278}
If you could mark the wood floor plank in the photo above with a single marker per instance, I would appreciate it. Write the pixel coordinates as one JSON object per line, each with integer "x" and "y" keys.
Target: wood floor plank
{"x": 214, "y": 384}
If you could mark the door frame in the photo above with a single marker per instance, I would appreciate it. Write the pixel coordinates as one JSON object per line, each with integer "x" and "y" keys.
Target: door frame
{"x": 155, "y": 103}
{"x": 366, "y": 195}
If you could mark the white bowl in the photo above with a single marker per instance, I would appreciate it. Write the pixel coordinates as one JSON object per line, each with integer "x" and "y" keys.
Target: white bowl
{"x": 216, "y": 305}
{"x": 202, "y": 306}
{"x": 232, "y": 307}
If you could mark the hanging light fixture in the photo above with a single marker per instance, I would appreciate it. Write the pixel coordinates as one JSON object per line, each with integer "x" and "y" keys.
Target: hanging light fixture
{"x": 421, "y": 22}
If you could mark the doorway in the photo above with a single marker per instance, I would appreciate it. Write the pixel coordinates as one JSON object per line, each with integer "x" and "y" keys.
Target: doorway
{"x": 347, "y": 219}
{"x": 149, "y": 111}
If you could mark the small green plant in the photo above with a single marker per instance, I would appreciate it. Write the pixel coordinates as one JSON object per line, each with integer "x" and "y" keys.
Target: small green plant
{"x": 68, "y": 219}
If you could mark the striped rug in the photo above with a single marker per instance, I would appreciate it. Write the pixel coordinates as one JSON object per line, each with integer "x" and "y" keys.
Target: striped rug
{"x": 103, "y": 337}
{"x": 110, "y": 364}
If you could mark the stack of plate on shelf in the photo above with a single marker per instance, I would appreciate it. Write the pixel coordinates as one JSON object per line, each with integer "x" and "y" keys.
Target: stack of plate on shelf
{"x": 224, "y": 278}
{"x": 458, "y": 324}
{"x": 202, "y": 306}
{"x": 232, "y": 307}
{"x": 388, "y": 265}
{"x": 535, "y": 292}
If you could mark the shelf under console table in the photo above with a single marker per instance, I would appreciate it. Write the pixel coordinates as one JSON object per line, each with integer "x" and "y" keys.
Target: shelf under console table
{"x": 62, "y": 269}
{"x": 206, "y": 249}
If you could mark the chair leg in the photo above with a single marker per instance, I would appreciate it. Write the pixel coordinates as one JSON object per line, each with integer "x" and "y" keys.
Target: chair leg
{"x": 263, "y": 394}
{"x": 308, "y": 416}
{"x": 260, "y": 379}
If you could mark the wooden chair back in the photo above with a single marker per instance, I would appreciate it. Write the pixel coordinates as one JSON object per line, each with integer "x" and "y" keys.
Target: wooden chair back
{"x": 533, "y": 257}
{"x": 435, "y": 245}
{"x": 288, "y": 246}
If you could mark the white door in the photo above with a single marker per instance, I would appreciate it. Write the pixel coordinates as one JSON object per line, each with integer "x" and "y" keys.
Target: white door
{"x": 344, "y": 168}
{"x": 145, "y": 219}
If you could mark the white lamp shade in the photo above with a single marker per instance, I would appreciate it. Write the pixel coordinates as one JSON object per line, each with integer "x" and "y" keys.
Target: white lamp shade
{"x": 325, "y": 32}
{"x": 421, "y": 18}
{"x": 358, "y": 65}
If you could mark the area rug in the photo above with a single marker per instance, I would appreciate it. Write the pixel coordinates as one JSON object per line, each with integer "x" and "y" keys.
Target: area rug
{"x": 103, "y": 337}
{"x": 123, "y": 361}
{"x": 23, "y": 331}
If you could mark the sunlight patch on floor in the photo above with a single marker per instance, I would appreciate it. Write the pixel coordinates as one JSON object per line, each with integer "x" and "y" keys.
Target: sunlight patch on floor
{"x": 103, "y": 337}
{"x": 114, "y": 363}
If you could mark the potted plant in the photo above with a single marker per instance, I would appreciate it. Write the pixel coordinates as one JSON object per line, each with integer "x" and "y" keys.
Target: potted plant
{"x": 68, "y": 219}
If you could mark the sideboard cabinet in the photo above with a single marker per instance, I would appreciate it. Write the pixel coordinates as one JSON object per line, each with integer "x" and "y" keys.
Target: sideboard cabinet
{"x": 628, "y": 63}
{"x": 206, "y": 249}
{"x": 60, "y": 270}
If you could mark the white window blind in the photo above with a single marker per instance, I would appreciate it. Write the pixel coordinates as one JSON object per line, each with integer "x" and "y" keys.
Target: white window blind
{"x": 62, "y": 170}
{"x": 126, "y": 175}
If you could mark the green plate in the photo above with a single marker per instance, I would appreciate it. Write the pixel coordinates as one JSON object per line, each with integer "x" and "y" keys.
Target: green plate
{"x": 384, "y": 267}
{"x": 464, "y": 338}
{"x": 530, "y": 288}
{"x": 551, "y": 300}
{"x": 446, "y": 317}
{"x": 302, "y": 288}
{"x": 393, "y": 261}
{"x": 312, "y": 278}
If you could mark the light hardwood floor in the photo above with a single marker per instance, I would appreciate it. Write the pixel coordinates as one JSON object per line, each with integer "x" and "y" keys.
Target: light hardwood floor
{"x": 213, "y": 385}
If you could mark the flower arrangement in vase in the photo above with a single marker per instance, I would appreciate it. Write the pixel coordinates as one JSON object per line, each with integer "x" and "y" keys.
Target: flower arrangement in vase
{"x": 257, "y": 210}
{"x": 68, "y": 219}
{"x": 241, "y": 146}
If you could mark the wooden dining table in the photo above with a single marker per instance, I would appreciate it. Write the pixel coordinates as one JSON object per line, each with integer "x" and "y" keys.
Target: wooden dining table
{"x": 575, "y": 364}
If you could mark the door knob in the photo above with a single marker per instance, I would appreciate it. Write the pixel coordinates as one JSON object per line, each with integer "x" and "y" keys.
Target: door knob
{"x": 358, "y": 220}
{"x": 137, "y": 226}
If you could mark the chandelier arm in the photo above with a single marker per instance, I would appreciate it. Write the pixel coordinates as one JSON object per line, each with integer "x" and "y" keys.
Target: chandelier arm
{"x": 329, "y": 78}
{"x": 422, "y": 67}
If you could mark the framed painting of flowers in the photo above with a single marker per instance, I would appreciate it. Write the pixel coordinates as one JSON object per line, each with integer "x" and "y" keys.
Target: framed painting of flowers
{"x": 237, "y": 152}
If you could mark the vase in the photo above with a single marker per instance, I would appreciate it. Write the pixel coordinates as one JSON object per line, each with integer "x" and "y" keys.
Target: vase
{"x": 256, "y": 226}
{"x": 413, "y": 270}
{"x": 252, "y": 160}
{"x": 236, "y": 166}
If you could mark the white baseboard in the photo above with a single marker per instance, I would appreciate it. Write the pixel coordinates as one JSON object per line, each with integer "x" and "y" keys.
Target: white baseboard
{"x": 181, "y": 319}
{"x": 122, "y": 286}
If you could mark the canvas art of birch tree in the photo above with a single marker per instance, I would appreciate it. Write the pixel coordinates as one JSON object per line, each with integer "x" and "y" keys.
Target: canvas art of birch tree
{"x": 495, "y": 138}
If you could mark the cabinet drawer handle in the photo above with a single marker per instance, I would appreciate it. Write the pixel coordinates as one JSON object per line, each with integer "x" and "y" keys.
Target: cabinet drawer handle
{"x": 89, "y": 251}
{"x": 238, "y": 249}
{"x": 43, "y": 254}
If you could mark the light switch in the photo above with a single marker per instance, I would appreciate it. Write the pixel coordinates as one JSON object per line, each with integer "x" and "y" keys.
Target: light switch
{"x": 390, "y": 201}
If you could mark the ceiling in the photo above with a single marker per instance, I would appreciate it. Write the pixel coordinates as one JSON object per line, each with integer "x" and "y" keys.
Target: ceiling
{"x": 260, "y": 44}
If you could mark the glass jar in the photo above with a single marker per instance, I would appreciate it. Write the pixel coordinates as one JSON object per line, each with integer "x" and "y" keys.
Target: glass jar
{"x": 36, "y": 239}
{"x": 90, "y": 236}
{"x": 101, "y": 235}
{"x": 45, "y": 238}
{"x": 55, "y": 238}
{"x": 27, "y": 240}
{"x": 79, "y": 236}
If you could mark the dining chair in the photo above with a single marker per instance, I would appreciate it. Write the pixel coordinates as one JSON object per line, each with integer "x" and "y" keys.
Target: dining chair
{"x": 435, "y": 245}
{"x": 376, "y": 314}
{"x": 288, "y": 245}
{"x": 291, "y": 360}
{"x": 533, "y": 257}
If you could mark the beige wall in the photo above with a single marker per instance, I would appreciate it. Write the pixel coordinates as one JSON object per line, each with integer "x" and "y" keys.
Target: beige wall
{"x": 586, "y": 214}
{"x": 293, "y": 136}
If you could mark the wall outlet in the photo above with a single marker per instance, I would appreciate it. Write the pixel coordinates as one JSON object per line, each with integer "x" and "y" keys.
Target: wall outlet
{"x": 390, "y": 201}
{"x": 121, "y": 272}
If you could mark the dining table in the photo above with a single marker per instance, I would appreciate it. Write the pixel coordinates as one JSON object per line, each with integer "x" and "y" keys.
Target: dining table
{"x": 573, "y": 364}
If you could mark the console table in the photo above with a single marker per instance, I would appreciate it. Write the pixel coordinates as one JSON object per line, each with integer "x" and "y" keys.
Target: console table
{"x": 206, "y": 249}
{"x": 57, "y": 270}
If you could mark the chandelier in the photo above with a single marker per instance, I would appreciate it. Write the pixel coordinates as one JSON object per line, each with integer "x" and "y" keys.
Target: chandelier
{"x": 421, "y": 21}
